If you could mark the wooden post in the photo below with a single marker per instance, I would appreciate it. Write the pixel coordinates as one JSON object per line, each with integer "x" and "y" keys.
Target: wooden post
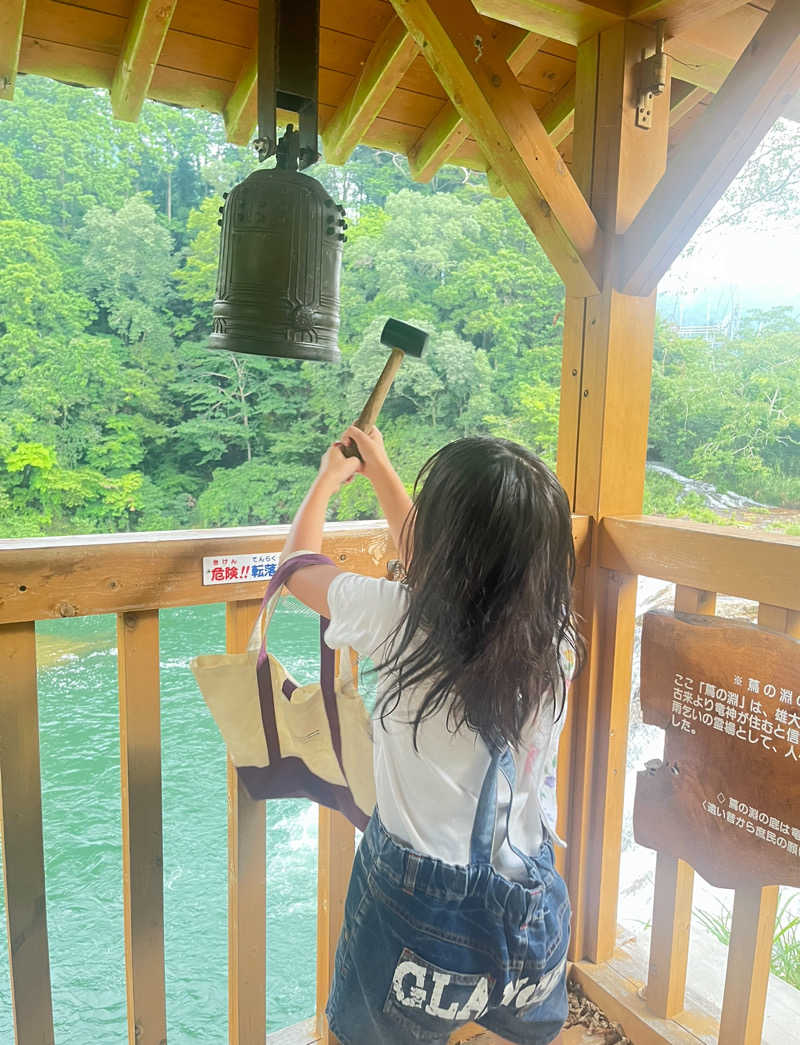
{"x": 608, "y": 340}
{"x": 247, "y": 881}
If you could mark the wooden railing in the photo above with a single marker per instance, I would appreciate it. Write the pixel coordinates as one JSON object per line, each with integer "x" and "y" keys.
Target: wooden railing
{"x": 134, "y": 576}
{"x": 703, "y": 561}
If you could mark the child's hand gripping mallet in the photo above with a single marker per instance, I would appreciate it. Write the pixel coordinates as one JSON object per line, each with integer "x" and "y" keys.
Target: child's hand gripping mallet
{"x": 404, "y": 340}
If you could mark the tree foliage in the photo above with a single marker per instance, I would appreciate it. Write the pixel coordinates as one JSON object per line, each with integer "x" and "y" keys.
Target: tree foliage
{"x": 115, "y": 415}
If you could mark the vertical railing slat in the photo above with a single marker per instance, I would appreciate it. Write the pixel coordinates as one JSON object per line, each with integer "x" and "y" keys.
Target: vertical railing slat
{"x": 336, "y": 851}
{"x": 247, "y": 891}
{"x": 142, "y": 832}
{"x": 21, "y": 832}
{"x": 753, "y": 921}
{"x": 747, "y": 974}
{"x": 615, "y": 608}
{"x": 674, "y": 885}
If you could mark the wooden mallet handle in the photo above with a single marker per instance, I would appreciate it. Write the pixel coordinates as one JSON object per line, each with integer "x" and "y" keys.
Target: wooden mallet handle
{"x": 372, "y": 407}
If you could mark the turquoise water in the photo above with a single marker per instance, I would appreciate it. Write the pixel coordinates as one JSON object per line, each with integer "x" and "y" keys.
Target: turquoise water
{"x": 79, "y": 736}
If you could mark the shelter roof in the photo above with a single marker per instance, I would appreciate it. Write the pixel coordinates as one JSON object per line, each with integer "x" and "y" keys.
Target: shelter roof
{"x": 375, "y": 87}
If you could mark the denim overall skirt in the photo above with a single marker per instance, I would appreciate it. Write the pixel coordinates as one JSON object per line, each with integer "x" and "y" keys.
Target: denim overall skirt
{"x": 427, "y": 946}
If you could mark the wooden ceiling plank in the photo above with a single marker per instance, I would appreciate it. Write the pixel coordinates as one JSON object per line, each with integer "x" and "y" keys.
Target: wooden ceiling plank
{"x": 447, "y": 131}
{"x": 144, "y": 38}
{"x": 240, "y": 113}
{"x": 388, "y": 62}
{"x": 12, "y": 17}
{"x": 472, "y": 69}
{"x": 754, "y": 95}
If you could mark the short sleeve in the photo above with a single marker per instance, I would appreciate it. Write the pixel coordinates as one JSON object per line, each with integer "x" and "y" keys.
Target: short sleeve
{"x": 365, "y": 612}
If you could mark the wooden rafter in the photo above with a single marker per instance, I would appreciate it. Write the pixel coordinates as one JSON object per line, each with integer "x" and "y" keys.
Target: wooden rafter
{"x": 387, "y": 64}
{"x": 751, "y": 99}
{"x": 12, "y": 16}
{"x": 442, "y": 137}
{"x": 558, "y": 116}
{"x": 683, "y": 100}
{"x": 460, "y": 49}
{"x": 240, "y": 111}
{"x": 141, "y": 48}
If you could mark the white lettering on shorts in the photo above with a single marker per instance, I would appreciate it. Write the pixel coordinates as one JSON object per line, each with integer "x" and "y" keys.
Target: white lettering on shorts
{"x": 407, "y": 994}
{"x": 523, "y": 997}
{"x": 459, "y": 997}
{"x": 445, "y": 995}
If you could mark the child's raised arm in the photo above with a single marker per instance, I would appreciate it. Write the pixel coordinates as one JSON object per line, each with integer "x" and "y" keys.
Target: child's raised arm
{"x": 310, "y": 585}
{"x": 392, "y": 495}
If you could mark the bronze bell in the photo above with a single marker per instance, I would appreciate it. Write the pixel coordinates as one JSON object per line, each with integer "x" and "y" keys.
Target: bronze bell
{"x": 282, "y": 235}
{"x": 280, "y": 258}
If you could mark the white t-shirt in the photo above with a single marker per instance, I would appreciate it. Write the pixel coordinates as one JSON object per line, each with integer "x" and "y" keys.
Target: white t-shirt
{"x": 427, "y": 798}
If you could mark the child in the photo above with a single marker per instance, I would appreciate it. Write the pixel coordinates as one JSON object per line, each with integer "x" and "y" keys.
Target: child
{"x": 454, "y": 911}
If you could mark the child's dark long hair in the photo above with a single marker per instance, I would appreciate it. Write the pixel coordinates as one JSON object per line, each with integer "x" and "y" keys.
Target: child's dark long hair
{"x": 492, "y": 563}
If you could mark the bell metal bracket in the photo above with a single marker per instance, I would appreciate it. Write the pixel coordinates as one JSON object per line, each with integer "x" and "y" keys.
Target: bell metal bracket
{"x": 652, "y": 80}
{"x": 288, "y": 74}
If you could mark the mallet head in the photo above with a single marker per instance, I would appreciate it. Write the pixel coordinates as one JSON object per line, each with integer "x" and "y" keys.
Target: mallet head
{"x": 411, "y": 341}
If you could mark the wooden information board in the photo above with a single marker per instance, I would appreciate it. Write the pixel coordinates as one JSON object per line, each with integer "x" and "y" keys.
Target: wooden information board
{"x": 726, "y": 796}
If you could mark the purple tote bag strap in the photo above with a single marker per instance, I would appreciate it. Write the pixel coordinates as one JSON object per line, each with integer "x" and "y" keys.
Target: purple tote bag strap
{"x": 327, "y": 663}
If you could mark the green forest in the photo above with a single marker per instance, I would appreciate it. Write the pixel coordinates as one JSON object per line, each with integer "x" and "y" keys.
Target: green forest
{"x": 115, "y": 416}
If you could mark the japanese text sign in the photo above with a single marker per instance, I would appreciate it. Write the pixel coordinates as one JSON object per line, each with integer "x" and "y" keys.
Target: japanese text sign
{"x": 726, "y": 796}
{"x": 231, "y": 569}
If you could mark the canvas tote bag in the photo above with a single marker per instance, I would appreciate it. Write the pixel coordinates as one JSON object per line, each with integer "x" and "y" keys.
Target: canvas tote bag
{"x": 286, "y": 740}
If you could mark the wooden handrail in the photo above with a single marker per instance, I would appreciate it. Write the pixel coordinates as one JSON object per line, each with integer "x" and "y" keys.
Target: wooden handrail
{"x": 45, "y": 578}
{"x": 749, "y": 564}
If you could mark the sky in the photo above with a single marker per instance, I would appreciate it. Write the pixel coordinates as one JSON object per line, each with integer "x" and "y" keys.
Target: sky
{"x": 756, "y": 262}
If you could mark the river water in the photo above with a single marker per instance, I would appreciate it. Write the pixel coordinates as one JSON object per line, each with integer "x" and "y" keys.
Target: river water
{"x": 79, "y": 735}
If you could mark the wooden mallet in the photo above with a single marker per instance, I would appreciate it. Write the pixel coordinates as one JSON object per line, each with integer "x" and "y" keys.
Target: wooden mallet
{"x": 404, "y": 340}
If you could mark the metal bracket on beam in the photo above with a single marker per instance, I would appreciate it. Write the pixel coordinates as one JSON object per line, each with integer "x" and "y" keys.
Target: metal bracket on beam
{"x": 652, "y": 80}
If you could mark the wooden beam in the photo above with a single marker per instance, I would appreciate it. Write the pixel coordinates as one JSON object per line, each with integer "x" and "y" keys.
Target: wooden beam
{"x": 240, "y": 113}
{"x": 567, "y": 20}
{"x": 387, "y": 63}
{"x": 458, "y": 44}
{"x": 12, "y": 17}
{"x": 447, "y": 131}
{"x": 141, "y": 48}
{"x": 705, "y": 50}
{"x": 496, "y": 186}
{"x": 558, "y": 119}
{"x": 680, "y": 14}
{"x": 706, "y": 162}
